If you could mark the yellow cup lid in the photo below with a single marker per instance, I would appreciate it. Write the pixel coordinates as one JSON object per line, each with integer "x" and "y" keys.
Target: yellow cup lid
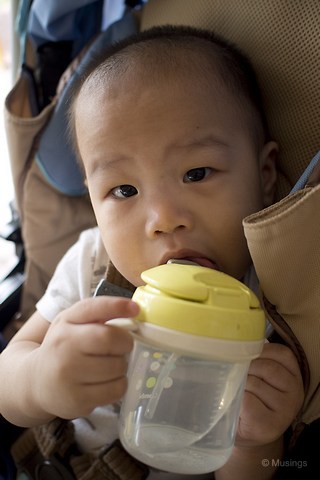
{"x": 199, "y": 301}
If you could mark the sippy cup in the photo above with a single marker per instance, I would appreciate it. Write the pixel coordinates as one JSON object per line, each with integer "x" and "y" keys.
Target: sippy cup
{"x": 197, "y": 331}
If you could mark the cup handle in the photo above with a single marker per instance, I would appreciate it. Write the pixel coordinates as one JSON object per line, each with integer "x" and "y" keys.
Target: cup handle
{"x": 125, "y": 323}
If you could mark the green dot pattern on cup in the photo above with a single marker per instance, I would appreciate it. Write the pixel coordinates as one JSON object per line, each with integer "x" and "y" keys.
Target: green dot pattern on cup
{"x": 156, "y": 359}
{"x": 151, "y": 381}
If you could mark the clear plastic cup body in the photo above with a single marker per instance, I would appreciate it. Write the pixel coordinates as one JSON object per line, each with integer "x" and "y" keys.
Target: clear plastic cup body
{"x": 180, "y": 412}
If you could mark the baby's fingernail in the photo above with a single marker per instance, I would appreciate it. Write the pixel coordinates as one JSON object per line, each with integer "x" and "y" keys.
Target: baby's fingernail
{"x": 134, "y": 307}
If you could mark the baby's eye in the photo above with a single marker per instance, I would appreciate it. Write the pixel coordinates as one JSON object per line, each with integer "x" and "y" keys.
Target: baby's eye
{"x": 197, "y": 174}
{"x": 124, "y": 191}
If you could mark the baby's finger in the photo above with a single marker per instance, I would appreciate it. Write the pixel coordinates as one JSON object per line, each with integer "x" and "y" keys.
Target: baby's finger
{"x": 100, "y": 309}
{"x": 108, "y": 392}
{"x": 261, "y": 391}
{"x": 282, "y": 355}
{"x": 272, "y": 373}
{"x": 102, "y": 340}
{"x": 101, "y": 370}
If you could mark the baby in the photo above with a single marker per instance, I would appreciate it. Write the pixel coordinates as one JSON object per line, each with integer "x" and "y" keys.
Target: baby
{"x": 170, "y": 131}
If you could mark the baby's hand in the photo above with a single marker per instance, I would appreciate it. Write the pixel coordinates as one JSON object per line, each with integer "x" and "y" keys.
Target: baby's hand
{"x": 82, "y": 361}
{"x": 273, "y": 397}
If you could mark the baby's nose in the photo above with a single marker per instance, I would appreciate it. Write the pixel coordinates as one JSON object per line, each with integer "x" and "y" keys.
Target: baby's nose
{"x": 166, "y": 215}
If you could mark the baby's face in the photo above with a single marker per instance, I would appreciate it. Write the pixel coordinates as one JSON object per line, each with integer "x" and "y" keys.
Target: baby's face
{"x": 172, "y": 170}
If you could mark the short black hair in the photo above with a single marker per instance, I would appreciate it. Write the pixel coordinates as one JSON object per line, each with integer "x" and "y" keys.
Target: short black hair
{"x": 159, "y": 46}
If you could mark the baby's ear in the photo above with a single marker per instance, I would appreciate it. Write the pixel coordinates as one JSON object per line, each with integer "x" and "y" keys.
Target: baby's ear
{"x": 268, "y": 171}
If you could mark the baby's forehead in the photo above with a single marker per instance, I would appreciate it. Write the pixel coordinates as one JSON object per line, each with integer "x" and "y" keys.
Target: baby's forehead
{"x": 141, "y": 72}
{"x": 149, "y": 84}
{"x": 137, "y": 67}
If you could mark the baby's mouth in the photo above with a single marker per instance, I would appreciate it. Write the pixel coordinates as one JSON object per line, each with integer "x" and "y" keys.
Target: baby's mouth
{"x": 200, "y": 261}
